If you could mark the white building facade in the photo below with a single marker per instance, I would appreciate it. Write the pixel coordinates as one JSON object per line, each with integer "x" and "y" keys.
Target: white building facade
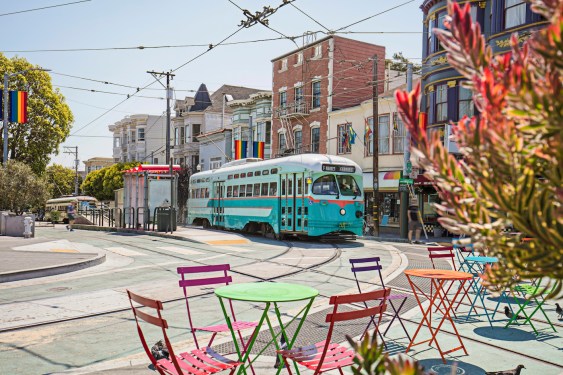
{"x": 139, "y": 138}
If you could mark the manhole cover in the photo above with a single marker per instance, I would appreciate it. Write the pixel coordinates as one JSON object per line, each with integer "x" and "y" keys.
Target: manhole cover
{"x": 58, "y": 289}
{"x": 447, "y": 370}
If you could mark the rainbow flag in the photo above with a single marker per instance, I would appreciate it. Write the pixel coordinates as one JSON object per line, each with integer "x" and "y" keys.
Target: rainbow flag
{"x": 240, "y": 149}
{"x": 18, "y": 107}
{"x": 258, "y": 150}
{"x": 368, "y": 131}
{"x": 353, "y": 135}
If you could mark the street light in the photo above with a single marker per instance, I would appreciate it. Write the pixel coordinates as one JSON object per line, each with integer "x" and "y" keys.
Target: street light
{"x": 7, "y": 77}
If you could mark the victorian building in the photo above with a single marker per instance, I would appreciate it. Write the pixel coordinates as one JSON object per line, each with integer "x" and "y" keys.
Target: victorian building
{"x": 139, "y": 138}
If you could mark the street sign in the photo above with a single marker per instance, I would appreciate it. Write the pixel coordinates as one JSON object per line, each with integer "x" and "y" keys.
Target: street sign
{"x": 406, "y": 181}
{"x": 409, "y": 167}
{"x": 403, "y": 188}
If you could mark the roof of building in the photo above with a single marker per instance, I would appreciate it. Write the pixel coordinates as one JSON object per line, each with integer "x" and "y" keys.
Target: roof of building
{"x": 202, "y": 99}
{"x": 237, "y": 93}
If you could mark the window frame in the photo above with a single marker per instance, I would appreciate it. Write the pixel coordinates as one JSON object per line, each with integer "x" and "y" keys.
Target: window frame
{"x": 443, "y": 105}
{"x": 399, "y": 135}
{"x": 461, "y": 100}
{"x": 381, "y": 140}
{"x": 316, "y": 95}
{"x": 315, "y": 145}
{"x": 340, "y": 132}
{"x": 298, "y": 145}
{"x": 505, "y": 9}
{"x": 280, "y": 137}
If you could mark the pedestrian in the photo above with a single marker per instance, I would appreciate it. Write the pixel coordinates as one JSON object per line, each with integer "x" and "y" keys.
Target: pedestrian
{"x": 414, "y": 223}
{"x": 71, "y": 215}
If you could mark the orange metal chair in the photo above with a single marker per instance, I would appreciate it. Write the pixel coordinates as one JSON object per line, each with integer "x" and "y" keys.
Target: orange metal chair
{"x": 326, "y": 356}
{"x": 447, "y": 252}
{"x": 200, "y": 361}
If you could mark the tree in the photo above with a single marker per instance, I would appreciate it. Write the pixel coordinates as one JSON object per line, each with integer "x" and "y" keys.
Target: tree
{"x": 102, "y": 183}
{"x": 399, "y": 63}
{"x": 49, "y": 117}
{"x": 60, "y": 180}
{"x": 511, "y": 173}
{"x": 20, "y": 188}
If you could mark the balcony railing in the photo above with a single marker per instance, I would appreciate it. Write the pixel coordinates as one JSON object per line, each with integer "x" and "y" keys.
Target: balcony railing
{"x": 293, "y": 110}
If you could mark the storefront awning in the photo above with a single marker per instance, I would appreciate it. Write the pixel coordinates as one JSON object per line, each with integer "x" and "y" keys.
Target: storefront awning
{"x": 388, "y": 181}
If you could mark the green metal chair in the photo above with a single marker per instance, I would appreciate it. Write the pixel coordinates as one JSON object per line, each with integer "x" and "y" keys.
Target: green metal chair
{"x": 533, "y": 293}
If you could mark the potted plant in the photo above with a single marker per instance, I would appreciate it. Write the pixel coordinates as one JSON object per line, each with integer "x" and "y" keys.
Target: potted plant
{"x": 55, "y": 216}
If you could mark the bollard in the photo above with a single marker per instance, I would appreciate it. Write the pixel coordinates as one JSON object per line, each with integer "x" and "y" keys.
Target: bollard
{"x": 27, "y": 223}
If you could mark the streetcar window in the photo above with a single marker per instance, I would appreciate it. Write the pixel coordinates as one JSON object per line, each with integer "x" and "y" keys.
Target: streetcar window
{"x": 283, "y": 182}
{"x": 348, "y": 186}
{"x": 236, "y": 175}
{"x": 289, "y": 186}
{"x": 242, "y": 175}
{"x": 250, "y": 174}
{"x": 300, "y": 186}
{"x": 235, "y": 191}
{"x": 265, "y": 189}
{"x": 256, "y": 190}
{"x": 274, "y": 171}
{"x": 230, "y": 177}
{"x": 257, "y": 173}
{"x": 206, "y": 192}
{"x": 249, "y": 190}
{"x": 207, "y": 179}
{"x": 229, "y": 191}
{"x": 217, "y": 191}
{"x": 273, "y": 188}
{"x": 325, "y": 185}
{"x": 265, "y": 172}
{"x": 242, "y": 190}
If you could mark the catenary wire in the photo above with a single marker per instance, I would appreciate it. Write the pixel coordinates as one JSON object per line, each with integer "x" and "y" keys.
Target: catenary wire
{"x": 375, "y": 15}
{"x": 47, "y": 7}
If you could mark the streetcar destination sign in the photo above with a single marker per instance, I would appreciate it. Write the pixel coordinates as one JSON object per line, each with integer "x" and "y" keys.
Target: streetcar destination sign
{"x": 338, "y": 168}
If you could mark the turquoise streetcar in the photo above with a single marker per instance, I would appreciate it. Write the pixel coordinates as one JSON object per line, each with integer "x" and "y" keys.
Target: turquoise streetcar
{"x": 308, "y": 195}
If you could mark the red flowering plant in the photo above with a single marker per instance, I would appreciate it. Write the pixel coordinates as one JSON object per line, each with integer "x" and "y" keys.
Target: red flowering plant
{"x": 511, "y": 171}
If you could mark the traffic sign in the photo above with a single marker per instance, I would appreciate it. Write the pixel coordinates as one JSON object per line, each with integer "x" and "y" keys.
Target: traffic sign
{"x": 409, "y": 167}
{"x": 406, "y": 181}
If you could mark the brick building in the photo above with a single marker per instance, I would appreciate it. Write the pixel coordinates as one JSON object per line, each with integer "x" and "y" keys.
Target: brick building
{"x": 328, "y": 74}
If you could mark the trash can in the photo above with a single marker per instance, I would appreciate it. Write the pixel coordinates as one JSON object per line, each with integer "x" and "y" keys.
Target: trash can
{"x": 163, "y": 220}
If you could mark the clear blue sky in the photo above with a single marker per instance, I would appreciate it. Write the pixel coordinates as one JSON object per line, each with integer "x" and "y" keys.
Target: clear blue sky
{"x": 128, "y": 23}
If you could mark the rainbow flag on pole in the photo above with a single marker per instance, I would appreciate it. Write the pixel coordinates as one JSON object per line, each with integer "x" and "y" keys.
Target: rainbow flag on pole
{"x": 240, "y": 149}
{"x": 18, "y": 107}
{"x": 258, "y": 150}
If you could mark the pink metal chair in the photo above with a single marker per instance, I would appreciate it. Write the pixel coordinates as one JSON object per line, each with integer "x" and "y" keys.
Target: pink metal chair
{"x": 200, "y": 361}
{"x": 370, "y": 265}
{"x": 221, "y": 278}
{"x": 326, "y": 356}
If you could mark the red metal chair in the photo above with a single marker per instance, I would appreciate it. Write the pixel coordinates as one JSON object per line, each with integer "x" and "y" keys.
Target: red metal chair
{"x": 222, "y": 278}
{"x": 447, "y": 252}
{"x": 326, "y": 356}
{"x": 200, "y": 361}
{"x": 370, "y": 265}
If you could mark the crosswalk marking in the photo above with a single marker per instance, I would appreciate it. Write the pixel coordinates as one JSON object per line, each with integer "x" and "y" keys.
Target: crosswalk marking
{"x": 125, "y": 252}
{"x": 179, "y": 250}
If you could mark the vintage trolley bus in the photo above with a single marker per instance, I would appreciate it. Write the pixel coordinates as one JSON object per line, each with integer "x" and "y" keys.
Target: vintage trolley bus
{"x": 83, "y": 202}
{"x": 306, "y": 195}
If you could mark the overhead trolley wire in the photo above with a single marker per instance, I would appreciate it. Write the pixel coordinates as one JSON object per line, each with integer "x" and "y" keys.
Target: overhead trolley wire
{"x": 47, "y": 7}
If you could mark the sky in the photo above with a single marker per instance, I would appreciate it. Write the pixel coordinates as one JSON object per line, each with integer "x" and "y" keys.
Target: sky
{"x": 114, "y": 24}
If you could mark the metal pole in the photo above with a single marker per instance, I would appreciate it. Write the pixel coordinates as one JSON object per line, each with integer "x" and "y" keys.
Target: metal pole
{"x": 5, "y": 119}
{"x": 76, "y": 161}
{"x": 406, "y": 160}
{"x": 251, "y": 137}
{"x": 375, "y": 141}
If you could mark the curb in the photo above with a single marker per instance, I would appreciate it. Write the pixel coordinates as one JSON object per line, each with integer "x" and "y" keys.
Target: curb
{"x": 33, "y": 273}
{"x": 134, "y": 231}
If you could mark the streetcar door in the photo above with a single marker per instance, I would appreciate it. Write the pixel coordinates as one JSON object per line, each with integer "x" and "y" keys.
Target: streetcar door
{"x": 301, "y": 209}
{"x": 287, "y": 202}
{"x": 218, "y": 209}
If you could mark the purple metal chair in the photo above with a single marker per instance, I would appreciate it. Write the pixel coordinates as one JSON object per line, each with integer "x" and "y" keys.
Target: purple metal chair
{"x": 372, "y": 264}
{"x": 221, "y": 278}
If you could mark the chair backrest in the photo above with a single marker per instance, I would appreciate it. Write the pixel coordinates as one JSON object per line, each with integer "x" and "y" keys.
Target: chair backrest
{"x": 441, "y": 252}
{"x": 343, "y": 316}
{"x": 221, "y": 277}
{"x": 366, "y": 265}
{"x": 152, "y": 320}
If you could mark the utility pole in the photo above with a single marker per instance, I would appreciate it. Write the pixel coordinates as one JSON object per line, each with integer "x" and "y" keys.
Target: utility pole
{"x": 407, "y": 166}
{"x": 169, "y": 76}
{"x": 375, "y": 147}
{"x": 68, "y": 150}
{"x": 251, "y": 138}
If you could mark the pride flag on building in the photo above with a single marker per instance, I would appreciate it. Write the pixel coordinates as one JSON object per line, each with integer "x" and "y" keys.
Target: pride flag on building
{"x": 258, "y": 150}
{"x": 18, "y": 107}
{"x": 240, "y": 149}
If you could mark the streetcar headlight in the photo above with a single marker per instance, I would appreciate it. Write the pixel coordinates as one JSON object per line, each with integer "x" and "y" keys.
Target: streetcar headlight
{"x": 342, "y": 212}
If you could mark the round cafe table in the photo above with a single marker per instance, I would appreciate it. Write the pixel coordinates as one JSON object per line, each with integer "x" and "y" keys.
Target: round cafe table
{"x": 438, "y": 278}
{"x": 270, "y": 294}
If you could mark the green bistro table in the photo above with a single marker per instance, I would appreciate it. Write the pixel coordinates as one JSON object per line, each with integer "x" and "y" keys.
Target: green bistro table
{"x": 270, "y": 294}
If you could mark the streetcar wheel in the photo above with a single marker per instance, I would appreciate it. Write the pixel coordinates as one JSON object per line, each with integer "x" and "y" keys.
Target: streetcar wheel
{"x": 206, "y": 224}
